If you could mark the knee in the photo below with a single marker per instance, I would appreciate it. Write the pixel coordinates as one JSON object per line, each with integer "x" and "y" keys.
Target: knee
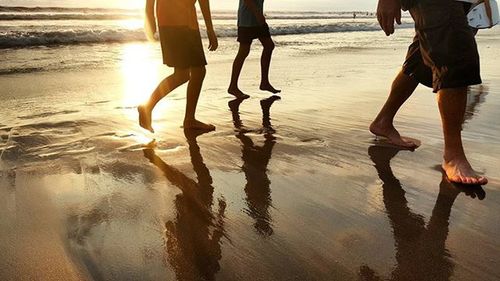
{"x": 243, "y": 52}
{"x": 182, "y": 75}
{"x": 269, "y": 46}
{"x": 198, "y": 72}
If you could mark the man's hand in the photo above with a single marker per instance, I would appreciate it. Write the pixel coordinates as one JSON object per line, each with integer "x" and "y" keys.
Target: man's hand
{"x": 212, "y": 39}
{"x": 489, "y": 12}
{"x": 388, "y": 11}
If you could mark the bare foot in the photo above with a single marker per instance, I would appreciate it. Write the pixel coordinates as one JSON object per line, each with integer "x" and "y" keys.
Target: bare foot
{"x": 268, "y": 87}
{"x": 393, "y": 136}
{"x": 197, "y": 125}
{"x": 460, "y": 171}
{"x": 145, "y": 118}
{"x": 237, "y": 93}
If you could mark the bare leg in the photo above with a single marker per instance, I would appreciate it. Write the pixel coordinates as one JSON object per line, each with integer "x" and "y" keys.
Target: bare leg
{"x": 452, "y": 103}
{"x": 193, "y": 94}
{"x": 383, "y": 125}
{"x": 237, "y": 66}
{"x": 179, "y": 77}
{"x": 265, "y": 63}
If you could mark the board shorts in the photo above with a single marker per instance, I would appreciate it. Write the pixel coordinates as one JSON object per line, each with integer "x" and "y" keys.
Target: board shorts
{"x": 248, "y": 34}
{"x": 444, "y": 52}
{"x": 181, "y": 47}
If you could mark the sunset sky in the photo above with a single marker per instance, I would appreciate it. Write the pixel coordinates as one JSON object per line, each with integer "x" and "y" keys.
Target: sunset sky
{"x": 284, "y": 5}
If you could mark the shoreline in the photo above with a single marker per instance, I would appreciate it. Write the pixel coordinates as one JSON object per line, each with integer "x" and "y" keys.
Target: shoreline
{"x": 313, "y": 198}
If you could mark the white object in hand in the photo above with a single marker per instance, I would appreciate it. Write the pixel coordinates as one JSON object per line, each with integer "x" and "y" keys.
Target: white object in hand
{"x": 478, "y": 17}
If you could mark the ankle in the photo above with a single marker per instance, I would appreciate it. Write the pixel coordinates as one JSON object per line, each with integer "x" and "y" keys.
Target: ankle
{"x": 453, "y": 157}
{"x": 383, "y": 121}
{"x": 145, "y": 107}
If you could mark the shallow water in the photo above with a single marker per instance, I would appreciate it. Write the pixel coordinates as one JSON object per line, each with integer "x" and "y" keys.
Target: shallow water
{"x": 306, "y": 194}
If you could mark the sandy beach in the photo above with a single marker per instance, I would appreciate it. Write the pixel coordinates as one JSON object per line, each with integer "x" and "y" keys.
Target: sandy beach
{"x": 294, "y": 188}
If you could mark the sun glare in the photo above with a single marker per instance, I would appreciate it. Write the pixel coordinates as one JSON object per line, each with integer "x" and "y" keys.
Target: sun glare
{"x": 131, "y": 24}
{"x": 132, "y": 4}
{"x": 142, "y": 70}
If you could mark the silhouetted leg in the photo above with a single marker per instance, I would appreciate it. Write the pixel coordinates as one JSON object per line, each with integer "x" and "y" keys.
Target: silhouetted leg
{"x": 237, "y": 66}
{"x": 179, "y": 77}
{"x": 193, "y": 94}
{"x": 265, "y": 63}
{"x": 452, "y": 103}
{"x": 383, "y": 125}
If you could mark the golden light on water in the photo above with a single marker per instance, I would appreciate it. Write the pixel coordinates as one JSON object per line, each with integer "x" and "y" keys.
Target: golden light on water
{"x": 139, "y": 74}
{"x": 126, "y": 4}
{"x": 131, "y": 24}
{"x": 142, "y": 70}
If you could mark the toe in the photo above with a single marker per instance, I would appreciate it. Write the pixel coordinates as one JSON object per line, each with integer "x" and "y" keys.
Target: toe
{"x": 410, "y": 145}
{"x": 477, "y": 180}
{"x": 458, "y": 179}
{"x": 468, "y": 180}
{"x": 482, "y": 180}
{"x": 474, "y": 180}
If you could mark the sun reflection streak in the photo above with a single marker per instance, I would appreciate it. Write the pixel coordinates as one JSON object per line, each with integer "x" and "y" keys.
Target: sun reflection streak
{"x": 131, "y": 24}
{"x": 141, "y": 73}
{"x": 143, "y": 138}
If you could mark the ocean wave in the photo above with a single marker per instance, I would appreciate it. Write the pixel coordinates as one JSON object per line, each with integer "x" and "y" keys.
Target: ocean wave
{"x": 20, "y": 9}
{"x": 20, "y": 70}
{"x": 18, "y": 16}
{"x": 292, "y": 29}
{"x": 19, "y": 39}
{"x": 66, "y": 16}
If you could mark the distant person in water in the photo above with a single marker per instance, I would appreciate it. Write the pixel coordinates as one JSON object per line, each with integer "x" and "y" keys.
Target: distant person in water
{"x": 182, "y": 49}
{"x": 443, "y": 56}
{"x": 252, "y": 25}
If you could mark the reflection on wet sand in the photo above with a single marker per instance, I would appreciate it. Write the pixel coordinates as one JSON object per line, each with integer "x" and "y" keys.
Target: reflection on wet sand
{"x": 255, "y": 160}
{"x": 475, "y": 96}
{"x": 421, "y": 252}
{"x": 194, "y": 238}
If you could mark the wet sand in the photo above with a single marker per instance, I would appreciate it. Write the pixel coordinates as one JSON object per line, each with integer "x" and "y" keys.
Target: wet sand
{"x": 286, "y": 189}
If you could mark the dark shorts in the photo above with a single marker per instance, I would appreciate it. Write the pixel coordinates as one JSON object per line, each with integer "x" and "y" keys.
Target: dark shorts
{"x": 181, "y": 47}
{"x": 247, "y": 34}
{"x": 444, "y": 52}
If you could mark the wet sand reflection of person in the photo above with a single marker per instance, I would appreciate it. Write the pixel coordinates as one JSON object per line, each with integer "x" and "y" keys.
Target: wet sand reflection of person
{"x": 194, "y": 237}
{"x": 421, "y": 252}
{"x": 255, "y": 161}
{"x": 475, "y": 97}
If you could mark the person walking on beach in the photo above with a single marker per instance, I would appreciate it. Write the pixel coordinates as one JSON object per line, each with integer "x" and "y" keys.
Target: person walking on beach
{"x": 182, "y": 49}
{"x": 252, "y": 25}
{"x": 443, "y": 56}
